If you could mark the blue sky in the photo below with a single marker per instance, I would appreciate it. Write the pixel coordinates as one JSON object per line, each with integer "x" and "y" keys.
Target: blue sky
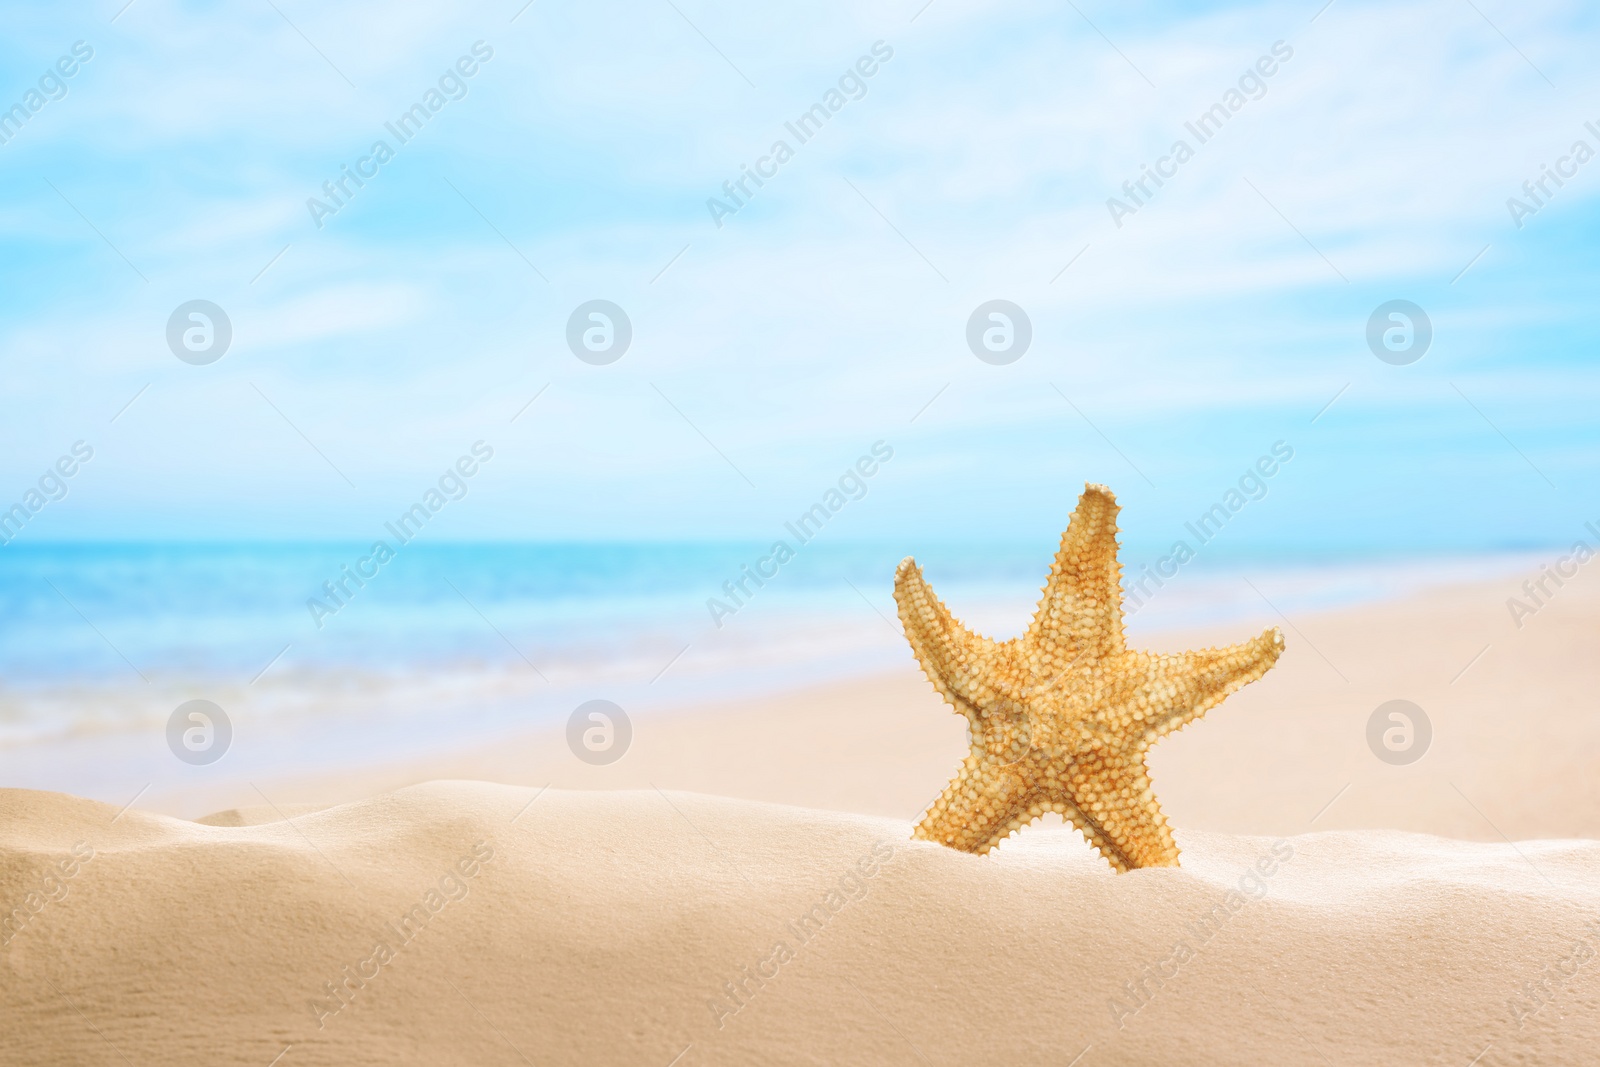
{"x": 769, "y": 353}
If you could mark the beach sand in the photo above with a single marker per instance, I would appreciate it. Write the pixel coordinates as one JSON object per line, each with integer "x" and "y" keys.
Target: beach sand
{"x": 673, "y": 928}
{"x": 1331, "y": 907}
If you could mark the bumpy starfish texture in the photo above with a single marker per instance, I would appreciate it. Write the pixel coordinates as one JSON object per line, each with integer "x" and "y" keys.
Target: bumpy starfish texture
{"x": 1061, "y": 718}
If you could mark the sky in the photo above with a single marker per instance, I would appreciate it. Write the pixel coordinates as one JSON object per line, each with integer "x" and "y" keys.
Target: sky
{"x": 1177, "y": 336}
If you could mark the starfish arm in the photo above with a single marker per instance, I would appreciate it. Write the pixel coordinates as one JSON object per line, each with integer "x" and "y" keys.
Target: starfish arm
{"x": 1080, "y": 613}
{"x": 984, "y": 804}
{"x": 953, "y": 657}
{"x": 1174, "y": 690}
{"x": 1111, "y": 799}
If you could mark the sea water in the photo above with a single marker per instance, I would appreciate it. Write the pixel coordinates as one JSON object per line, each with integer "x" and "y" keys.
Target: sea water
{"x": 451, "y": 645}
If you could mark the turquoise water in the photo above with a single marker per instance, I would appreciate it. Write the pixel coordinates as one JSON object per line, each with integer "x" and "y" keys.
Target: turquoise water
{"x": 108, "y": 612}
{"x": 455, "y": 645}
{"x": 440, "y": 643}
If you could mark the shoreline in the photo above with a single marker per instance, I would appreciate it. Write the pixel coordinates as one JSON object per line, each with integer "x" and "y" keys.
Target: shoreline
{"x": 1287, "y": 751}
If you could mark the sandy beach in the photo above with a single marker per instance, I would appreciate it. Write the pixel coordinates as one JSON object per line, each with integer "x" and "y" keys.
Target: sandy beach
{"x": 741, "y": 887}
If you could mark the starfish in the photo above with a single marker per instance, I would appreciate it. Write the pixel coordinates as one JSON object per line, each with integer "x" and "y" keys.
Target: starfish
{"x": 1061, "y": 718}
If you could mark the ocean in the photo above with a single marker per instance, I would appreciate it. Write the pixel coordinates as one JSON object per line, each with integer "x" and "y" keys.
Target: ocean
{"x": 453, "y": 645}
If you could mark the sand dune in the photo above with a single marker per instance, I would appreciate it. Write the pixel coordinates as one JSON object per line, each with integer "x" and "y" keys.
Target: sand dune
{"x": 470, "y": 923}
